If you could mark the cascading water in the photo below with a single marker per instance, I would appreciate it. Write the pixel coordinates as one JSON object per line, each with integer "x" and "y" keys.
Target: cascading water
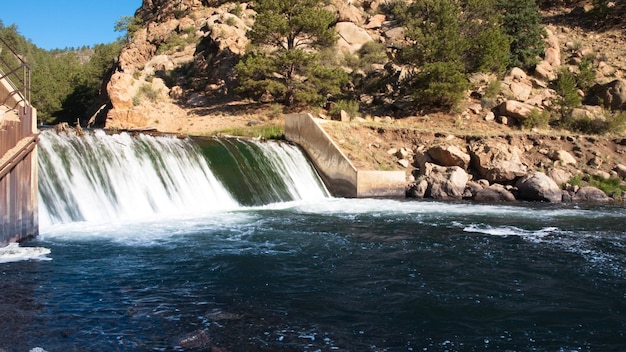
{"x": 259, "y": 173}
{"x": 103, "y": 178}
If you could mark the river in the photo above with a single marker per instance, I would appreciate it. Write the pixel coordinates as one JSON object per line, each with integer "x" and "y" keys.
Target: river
{"x": 316, "y": 273}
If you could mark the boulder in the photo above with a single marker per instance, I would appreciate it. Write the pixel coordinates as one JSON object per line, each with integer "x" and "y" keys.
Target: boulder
{"x": 520, "y": 90}
{"x": 445, "y": 182}
{"x": 591, "y": 194}
{"x": 621, "y": 170}
{"x": 449, "y": 155}
{"x": 537, "y": 186}
{"x": 564, "y": 158}
{"x": 497, "y": 162}
{"x": 375, "y": 21}
{"x": 351, "y": 36}
{"x": 473, "y": 187}
{"x": 198, "y": 339}
{"x": 553, "y": 57}
{"x": 545, "y": 71}
{"x": 347, "y": 12}
{"x": 612, "y": 95}
{"x": 494, "y": 193}
{"x": 516, "y": 74}
{"x": 559, "y": 176}
{"x": 516, "y": 109}
{"x": 418, "y": 190}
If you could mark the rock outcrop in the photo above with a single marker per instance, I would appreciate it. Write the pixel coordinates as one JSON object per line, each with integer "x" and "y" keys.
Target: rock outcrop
{"x": 497, "y": 162}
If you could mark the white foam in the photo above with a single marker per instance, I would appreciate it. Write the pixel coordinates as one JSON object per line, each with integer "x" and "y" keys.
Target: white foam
{"x": 14, "y": 253}
{"x": 506, "y": 231}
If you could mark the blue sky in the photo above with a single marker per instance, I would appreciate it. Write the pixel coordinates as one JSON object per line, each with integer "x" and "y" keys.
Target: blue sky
{"x": 58, "y": 24}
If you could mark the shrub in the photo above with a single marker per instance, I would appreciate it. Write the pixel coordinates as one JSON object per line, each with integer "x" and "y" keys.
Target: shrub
{"x": 616, "y": 122}
{"x": 537, "y": 119}
{"x": 587, "y": 74}
{"x": 147, "y": 91}
{"x": 349, "y": 106}
{"x": 231, "y": 21}
{"x": 372, "y": 53}
{"x": 440, "y": 84}
{"x": 568, "y": 98}
{"x": 236, "y": 10}
{"x": 612, "y": 186}
{"x": 275, "y": 110}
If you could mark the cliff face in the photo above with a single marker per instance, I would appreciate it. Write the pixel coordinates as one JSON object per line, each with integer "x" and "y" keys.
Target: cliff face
{"x": 177, "y": 72}
{"x": 184, "y": 52}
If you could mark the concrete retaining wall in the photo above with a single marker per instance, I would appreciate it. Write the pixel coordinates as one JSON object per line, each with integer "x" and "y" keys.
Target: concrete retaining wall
{"x": 336, "y": 170}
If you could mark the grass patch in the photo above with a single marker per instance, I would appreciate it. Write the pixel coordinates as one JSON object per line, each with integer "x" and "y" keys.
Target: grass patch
{"x": 264, "y": 132}
{"x": 612, "y": 186}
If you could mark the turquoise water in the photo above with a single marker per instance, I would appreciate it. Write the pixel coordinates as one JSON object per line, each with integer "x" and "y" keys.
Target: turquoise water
{"x": 314, "y": 273}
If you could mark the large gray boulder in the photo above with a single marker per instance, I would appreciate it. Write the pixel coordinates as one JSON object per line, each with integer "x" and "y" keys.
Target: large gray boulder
{"x": 351, "y": 36}
{"x": 537, "y": 186}
{"x": 591, "y": 194}
{"x": 445, "y": 182}
{"x": 497, "y": 162}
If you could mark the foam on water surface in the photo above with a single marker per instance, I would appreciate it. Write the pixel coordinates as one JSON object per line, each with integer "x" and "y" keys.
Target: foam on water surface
{"x": 15, "y": 253}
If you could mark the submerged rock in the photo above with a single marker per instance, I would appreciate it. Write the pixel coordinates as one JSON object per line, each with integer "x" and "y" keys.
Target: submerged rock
{"x": 194, "y": 340}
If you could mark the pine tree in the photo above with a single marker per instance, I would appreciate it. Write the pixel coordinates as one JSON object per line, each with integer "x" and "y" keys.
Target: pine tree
{"x": 522, "y": 22}
{"x": 282, "y": 62}
{"x": 436, "y": 51}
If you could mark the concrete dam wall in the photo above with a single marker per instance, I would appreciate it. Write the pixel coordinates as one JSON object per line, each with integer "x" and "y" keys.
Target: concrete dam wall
{"x": 339, "y": 174}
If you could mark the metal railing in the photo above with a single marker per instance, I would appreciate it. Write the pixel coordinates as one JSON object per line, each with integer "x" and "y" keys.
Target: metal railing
{"x": 18, "y": 71}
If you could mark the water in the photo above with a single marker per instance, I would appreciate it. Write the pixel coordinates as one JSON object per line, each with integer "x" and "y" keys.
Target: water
{"x": 326, "y": 274}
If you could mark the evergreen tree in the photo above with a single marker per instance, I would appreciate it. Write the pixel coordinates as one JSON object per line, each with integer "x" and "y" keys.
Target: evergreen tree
{"x": 488, "y": 47}
{"x": 281, "y": 62}
{"x": 436, "y": 51}
{"x": 522, "y": 22}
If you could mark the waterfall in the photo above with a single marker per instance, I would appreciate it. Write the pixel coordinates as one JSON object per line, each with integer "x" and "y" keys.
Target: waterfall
{"x": 104, "y": 178}
{"x": 262, "y": 172}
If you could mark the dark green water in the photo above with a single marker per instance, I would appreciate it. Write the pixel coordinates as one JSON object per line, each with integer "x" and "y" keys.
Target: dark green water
{"x": 348, "y": 275}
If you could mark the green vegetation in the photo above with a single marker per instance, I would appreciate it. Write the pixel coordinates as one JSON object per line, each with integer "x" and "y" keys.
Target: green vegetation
{"x": 568, "y": 99}
{"x": 145, "y": 90}
{"x": 280, "y": 65}
{"x": 66, "y": 83}
{"x": 522, "y": 22}
{"x": 264, "y": 132}
{"x": 349, "y": 106}
{"x": 613, "y": 187}
{"x": 128, "y": 25}
{"x": 449, "y": 40}
{"x": 537, "y": 119}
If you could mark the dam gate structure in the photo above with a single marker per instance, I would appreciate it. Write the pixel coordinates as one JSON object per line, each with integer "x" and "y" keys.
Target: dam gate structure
{"x": 18, "y": 150}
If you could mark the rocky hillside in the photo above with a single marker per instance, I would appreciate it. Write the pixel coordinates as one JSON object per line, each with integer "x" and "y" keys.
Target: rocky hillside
{"x": 177, "y": 75}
